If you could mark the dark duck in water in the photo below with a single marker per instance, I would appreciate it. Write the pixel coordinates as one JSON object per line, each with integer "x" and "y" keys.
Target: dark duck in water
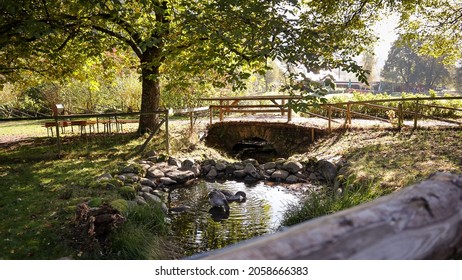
{"x": 218, "y": 199}
{"x": 239, "y": 196}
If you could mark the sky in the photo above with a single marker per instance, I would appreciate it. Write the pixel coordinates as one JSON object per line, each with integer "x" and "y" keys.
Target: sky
{"x": 385, "y": 29}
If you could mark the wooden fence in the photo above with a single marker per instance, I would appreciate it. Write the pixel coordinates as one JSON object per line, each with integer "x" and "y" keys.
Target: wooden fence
{"x": 86, "y": 120}
{"x": 234, "y": 105}
{"x": 423, "y": 221}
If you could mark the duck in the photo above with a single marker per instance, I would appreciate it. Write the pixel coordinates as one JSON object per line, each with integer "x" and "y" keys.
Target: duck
{"x": 239, "y": 196}
{"x": 218, "y": 199}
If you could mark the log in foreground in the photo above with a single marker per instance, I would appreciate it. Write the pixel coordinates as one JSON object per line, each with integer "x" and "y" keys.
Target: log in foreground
{"x": 422, "y": 221}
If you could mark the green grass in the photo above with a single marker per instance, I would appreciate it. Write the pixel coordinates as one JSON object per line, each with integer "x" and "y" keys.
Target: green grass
{"x": 377, "y": 163}
{"x": 326, "y": 202}
{"x": 39, "y": 191}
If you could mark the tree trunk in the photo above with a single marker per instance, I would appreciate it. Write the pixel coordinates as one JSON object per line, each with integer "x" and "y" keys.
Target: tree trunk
{"x": 150, "y": 97}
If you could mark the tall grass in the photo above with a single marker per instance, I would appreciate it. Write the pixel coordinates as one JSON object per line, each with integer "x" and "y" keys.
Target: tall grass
{"x": 143, "y": 236}
{"x": 326, "y": 202}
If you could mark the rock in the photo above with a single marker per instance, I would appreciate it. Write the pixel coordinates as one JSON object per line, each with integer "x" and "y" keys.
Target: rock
{"x": 328, "y": 170}
{"x": 292, "y": 179}
{"x": 154, "y": 172}
{"x": 121, "y": 177}
{"x": 146, "y": 189}
{"x": 279, "y": 175}
{"x": 220, "y": 166}
{"x": 164, "y": 208}
{"x": 208, "y": 162}
{"x": 239, "y": 174}
{"x": 252, "y": 161}
{"x": 130, "y": 169}
{"x": 104, "y": 177}
{"x": 187, "y": 164}
{"x": 151, "y": 153}
{"x": 313, "y": 176}
{"x": 229, "y": 170}
{"x": 167, "y": 181}
{"x": 196, "y": 169}
{"x": 180, "y": 209}
{"x": 147, "y": 182}
{"x": 292, "y": 166}
{"x": 206, "y": 168}
{"x": 250, "y": 179}
{"x": 150, "y": 198}
{"x": 145, "y": 166}
{"x": 140, "y": 200}
{"x": 131, "y": 177}
{"x": 269, "y": 165}
{"x": 238, "y": 166}
{"x": 249, "y": 168}
{"x": 212, "y": 173}
{"x": 173, "y": 161}
{"x": 180, "y": 176}
{"x": 270, "y": 171}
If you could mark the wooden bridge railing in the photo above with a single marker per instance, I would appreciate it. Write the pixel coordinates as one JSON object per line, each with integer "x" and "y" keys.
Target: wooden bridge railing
{"x": 234, "y": 105}
{"x": 423, "y": 221}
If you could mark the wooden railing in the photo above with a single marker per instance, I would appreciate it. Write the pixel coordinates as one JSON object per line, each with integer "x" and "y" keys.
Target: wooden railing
{"x": 234, "y": 105}
{"x": 422, "y": 221}
{"x": 84, "y": 120}
{"x": 345, "y": 107}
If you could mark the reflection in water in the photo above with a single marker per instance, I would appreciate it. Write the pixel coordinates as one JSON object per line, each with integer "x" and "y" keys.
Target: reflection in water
{"x": 203, "y": 228}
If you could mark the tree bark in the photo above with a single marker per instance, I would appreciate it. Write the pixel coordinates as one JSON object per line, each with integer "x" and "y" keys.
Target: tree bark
{"x": 150, "y": 96}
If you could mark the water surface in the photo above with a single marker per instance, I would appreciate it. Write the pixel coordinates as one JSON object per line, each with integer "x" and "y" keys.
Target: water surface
{"x": 198, "y": 230}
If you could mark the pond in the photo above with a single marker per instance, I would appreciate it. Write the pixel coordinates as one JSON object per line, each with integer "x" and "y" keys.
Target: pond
{"x": 201, "y": 229}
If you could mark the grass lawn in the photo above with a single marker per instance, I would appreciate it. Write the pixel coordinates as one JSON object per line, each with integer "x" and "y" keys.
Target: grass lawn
{"x": 39, "y": 192}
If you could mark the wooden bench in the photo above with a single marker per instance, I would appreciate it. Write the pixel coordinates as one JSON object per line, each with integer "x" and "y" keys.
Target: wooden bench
{"x": 82, "y": 124}
{"x": 51, "y": 125}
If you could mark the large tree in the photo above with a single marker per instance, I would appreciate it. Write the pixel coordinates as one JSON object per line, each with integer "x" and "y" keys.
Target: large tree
{"x": 404, "y": 65}
{"x": 232, "y": 37}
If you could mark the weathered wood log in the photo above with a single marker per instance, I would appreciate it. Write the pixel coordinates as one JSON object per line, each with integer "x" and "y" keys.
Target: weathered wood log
{"x": 423, "y": 221}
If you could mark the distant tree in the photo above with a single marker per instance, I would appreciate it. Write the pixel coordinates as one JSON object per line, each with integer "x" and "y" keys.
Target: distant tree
{"x": 458, "y": 78}
{"x": 404, "y": 65}
{"x": 369, "y": 62}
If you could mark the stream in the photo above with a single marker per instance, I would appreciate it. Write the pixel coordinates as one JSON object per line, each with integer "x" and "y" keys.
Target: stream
{"x": 199, "y": 229}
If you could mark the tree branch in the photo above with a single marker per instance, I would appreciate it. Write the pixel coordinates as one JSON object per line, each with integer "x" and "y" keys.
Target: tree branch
{"x": 119, "y": 36}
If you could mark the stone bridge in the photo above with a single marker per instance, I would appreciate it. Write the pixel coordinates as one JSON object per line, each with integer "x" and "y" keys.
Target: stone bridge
{"x": 285, "y": 138}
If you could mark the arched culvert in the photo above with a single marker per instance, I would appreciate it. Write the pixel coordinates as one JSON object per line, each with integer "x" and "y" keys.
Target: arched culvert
{"x": 256, "y": 148}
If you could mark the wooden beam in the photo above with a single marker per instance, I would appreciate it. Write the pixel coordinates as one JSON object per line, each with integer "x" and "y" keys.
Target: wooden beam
{"x": 423, "y": 221}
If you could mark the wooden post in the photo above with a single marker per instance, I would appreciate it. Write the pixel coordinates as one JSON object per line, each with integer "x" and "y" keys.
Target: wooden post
{"x": 348, "y": 115}
{"x": 400, "y": 116}
{"x": 221, "y": 110}
{"x": 167, "y": 140}
{"x": 211, "y": 113}
{"x": 289, "y": 112}
{"x": 329, "y": 114}
{"x": 58, "y": 139}
{"x": 416, "y": 113}
{"x": 191, "y": 123}
{"x": 312, "y": 135}
{"x": 422, "y": 221}
{"x": 283, "y": 102}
